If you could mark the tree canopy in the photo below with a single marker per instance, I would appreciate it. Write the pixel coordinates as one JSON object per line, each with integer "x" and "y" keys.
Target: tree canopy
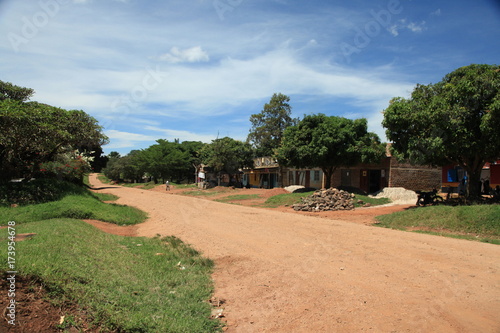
{"x": 455, "y": 121}
{"x": 268, "y": 125}
{"x": 329, "y": 142}
{"x": 164, "y": 160}
{"x": 10, "y": 91}
{"x": 33, "y": 133}
{"x": 227, "y": 155}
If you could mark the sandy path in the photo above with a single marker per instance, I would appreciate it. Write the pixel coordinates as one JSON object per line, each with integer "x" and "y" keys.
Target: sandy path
{"x": 286, "y": 272}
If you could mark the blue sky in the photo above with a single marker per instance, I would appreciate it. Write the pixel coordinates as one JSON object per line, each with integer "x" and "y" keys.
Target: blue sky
{"x": 195, "y": 70}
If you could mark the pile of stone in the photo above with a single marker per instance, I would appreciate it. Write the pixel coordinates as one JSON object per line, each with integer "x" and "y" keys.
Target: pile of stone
{"x": 326, "y": 200}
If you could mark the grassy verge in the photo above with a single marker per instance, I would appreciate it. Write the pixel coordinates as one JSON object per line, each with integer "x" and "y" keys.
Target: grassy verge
{"x": 203, "y": 193}
{"x": 477, "y": 222}
{"x": 286, "y": 199}
{"x": 238, "y": 197}
{"x": 372, "y": 201}
{"x": 84, "y": 205}
{"x": 125, "y": 284}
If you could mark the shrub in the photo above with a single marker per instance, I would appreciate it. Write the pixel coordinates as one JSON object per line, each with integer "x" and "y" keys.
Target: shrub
{"x": 36, "y": 191}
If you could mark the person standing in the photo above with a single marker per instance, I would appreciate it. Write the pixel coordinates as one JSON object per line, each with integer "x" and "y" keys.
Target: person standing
{"x": 167, "y": 186}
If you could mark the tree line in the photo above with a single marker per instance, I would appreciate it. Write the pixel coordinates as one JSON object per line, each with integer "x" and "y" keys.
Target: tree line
{"x": 455, "y": 121}
{"x": 315, "y": 141}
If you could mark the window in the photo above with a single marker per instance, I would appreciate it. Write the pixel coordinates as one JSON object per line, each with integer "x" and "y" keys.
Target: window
{"x": 316, "y": 176}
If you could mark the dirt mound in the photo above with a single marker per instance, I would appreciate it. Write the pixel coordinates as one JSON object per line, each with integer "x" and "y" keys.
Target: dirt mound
{"x": 273, "y": 192}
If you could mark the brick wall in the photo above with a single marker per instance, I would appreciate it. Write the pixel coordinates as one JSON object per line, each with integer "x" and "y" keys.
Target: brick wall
{"x": 414, "y": 177}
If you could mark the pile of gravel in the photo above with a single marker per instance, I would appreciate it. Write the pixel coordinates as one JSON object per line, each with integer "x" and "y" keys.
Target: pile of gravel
{"x": 326, "y": 200}
{"x": 398, "y": 195}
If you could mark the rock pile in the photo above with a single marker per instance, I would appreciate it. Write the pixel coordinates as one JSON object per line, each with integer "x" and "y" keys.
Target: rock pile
{"x": 325, "y": 200}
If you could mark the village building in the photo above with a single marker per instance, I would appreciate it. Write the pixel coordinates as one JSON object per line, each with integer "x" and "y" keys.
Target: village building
{"x": 367, "y": 178}
{"x": 453, "y": 177}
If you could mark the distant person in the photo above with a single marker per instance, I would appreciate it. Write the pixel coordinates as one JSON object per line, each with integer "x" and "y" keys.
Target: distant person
{"x": 167, "y": 186}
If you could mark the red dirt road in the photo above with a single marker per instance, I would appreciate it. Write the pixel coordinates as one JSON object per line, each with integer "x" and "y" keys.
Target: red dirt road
{"x": 287, "y": 272}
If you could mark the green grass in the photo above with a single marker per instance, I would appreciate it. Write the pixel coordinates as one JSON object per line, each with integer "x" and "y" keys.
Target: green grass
{"x": 125, "y": 284}
{"x": 146, "y": 186}
{"x": 238, "y": 197}
{"x": 103, "y": 178}
{"x": 78, "y": 206}
{"x": 372, "y": 201}
{"x": 201, "y": 193}
{"x": 477, "y": 222}
{"x": 286, "y": 199}
{"x": 105, "y": 196}
{"x": 184, "y": 186}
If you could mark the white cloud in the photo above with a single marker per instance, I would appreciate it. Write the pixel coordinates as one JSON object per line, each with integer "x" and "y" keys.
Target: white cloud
{"x": 436, "y": 13}
{"x": 120, "y": 139}
{"x": 170, "y": 134}
{"x": 193, "y": 54}
{"x": 403, "y": 24}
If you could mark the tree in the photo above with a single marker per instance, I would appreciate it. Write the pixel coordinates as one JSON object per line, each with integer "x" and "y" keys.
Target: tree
{"x": 227, "y": 156}
{"x": 33, "y": 133}
{"x": 268, "y": 125}
{"x": 455, "y": 121}
{"x": 10, "y": 91}
{"x": 328, "y": 142}
{"x": 193, "y": 148}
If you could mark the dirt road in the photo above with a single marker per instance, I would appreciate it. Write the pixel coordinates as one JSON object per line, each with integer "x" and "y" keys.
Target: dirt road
{"x": 286, "y": 272}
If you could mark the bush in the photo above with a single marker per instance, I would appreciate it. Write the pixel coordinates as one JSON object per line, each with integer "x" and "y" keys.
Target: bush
{"x": 36, "y": 191}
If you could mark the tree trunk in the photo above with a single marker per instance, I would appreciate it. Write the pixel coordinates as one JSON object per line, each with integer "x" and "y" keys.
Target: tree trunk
{"x": 474, "y": 183}
{"x": 328, "y": 176}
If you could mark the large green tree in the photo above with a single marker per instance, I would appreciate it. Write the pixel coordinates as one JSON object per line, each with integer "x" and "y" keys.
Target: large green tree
{"x": 227, "y": 156}
{"x": 268, "y": 125}
{"x": 455, "y": 121}
{"x": 33, "y": 133}
{"x": 329, "y": 142}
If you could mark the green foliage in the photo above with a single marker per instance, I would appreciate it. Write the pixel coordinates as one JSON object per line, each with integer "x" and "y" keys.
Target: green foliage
{"x": 124, "y": 284}
{"x": 34, "y": 133}
{"x": 454, "y": 121}
{"x": 10, "y": 91}
{"x": 163, "y": 160}
{"x": 329, "y": 142}
{"x": 268, "y": 125}
{"x": 476, "y": 222}
{"x": 74, "y": 202}
{"x": 71, "y": 167}
{"x": 37, "y": 191}
{"x": 227, "y": 155}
